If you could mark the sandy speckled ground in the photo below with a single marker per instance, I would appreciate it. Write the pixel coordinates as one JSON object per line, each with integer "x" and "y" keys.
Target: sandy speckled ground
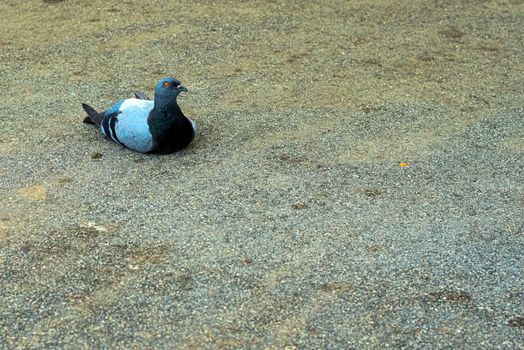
{"x": 357, "y": 181}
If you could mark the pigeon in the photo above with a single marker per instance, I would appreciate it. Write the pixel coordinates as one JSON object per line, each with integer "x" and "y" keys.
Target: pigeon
{"x": 147, "y": 126}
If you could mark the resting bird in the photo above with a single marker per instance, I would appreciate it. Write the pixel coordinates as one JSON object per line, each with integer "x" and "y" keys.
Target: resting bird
{"x": 146, "y": 126}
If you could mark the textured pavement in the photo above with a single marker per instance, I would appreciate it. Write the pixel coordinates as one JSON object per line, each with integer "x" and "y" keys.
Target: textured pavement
{"x": 357, "y": 181}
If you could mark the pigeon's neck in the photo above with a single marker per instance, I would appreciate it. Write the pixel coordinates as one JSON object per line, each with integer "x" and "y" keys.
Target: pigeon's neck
{"x": 164, "y": 116}
{"x": 166, "y": 105}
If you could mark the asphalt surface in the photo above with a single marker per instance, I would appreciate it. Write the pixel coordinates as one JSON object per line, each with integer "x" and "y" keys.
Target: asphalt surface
{"x": 357, "y": 181}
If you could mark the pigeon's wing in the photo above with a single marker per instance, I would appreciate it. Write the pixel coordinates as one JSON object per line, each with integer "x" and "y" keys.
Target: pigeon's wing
{"x": 127, "y": 125}
{"x": 141, "y": 96}
{"x": 109, "y": 120}
{"x": 114, "y": 108}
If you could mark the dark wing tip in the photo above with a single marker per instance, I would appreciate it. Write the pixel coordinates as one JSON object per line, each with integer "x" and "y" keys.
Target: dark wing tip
{"x": 141, "y": 96}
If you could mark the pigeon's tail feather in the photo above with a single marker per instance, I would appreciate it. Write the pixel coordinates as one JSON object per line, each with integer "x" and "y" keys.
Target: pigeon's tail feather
{"x": 93, "y": 116}
{"x": 141, "y": 96}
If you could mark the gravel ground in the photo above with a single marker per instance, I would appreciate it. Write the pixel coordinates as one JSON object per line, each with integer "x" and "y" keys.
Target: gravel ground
{"x": 357, "y": 182}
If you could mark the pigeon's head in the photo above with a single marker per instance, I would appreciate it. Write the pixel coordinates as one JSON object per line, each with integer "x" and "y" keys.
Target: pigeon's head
{"x": 168, "y": 89}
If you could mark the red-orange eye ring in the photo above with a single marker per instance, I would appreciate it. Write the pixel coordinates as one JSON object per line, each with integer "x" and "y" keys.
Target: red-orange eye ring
{"x": 166, "y": 84}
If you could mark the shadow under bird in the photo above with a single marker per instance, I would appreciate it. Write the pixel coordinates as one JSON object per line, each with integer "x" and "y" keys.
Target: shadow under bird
{"x": 146, "y": 126}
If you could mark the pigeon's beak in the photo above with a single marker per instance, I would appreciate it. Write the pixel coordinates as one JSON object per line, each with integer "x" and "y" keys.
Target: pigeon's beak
{"x": 181, "y": 88}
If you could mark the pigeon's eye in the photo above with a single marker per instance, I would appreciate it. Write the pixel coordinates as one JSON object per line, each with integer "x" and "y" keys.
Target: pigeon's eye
{"x": 166, "y": 84}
